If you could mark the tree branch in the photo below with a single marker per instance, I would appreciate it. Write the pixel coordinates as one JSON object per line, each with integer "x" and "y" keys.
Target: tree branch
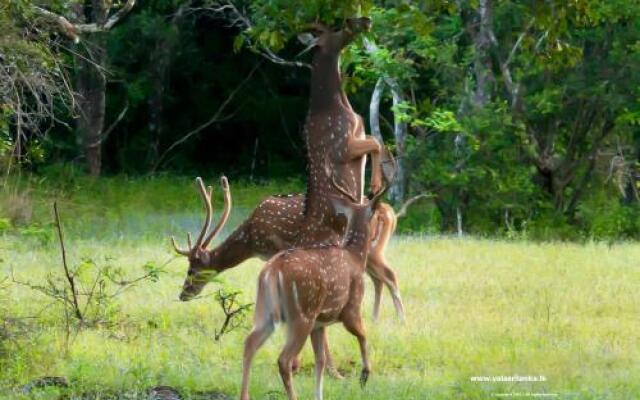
{"x": 67, "y": 273}
{"x": 229, "y": 12}
{"x": 403, "y": 209}
{"x": 214, "y": 118}
{"x": 73, "y": 30}
{"x": 66, "y": 28}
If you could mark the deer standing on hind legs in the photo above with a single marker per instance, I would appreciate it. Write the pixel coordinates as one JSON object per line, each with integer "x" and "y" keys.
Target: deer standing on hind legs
{"x": 278, "y": 223}
{"x": 337, "y": 152}
{"x": 310, "y": 288}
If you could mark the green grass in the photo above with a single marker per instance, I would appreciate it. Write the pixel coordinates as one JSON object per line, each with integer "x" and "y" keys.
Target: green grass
{"x": 474, "y": 308}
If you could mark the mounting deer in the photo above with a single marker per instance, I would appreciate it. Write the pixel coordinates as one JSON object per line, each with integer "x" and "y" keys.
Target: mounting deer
{"x": 277, "y": 223}
{"x": 335, "y": 137}
{"x": 310, "y": 288}
{"x": 274, "y": 225}
{"x": 337, "y": 151}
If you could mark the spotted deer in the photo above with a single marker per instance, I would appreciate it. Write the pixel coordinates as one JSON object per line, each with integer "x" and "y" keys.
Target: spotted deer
{"x": 282, "y": 222}
{"x": 309, "y": 288}
{"x": 335, "y": 137}
{"x": 383, "y": 224}
{"x": 272, "y": 228}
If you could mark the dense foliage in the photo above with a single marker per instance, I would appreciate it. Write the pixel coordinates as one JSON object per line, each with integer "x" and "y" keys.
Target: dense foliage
{"x": 523, "y": 117}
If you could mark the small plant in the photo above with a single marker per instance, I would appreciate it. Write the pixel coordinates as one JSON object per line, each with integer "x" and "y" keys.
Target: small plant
{"x": 235, "y": 312}
{"x": 87, "y": 291}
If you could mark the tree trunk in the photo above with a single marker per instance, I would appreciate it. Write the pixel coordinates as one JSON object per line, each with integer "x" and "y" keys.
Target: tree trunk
{"x": 91, "y": 86}
{"x": 90, "y": 100}
{"x": 482, "y": 62}
{"x": 160, "y": 62}
{"x": 397, "y": 190}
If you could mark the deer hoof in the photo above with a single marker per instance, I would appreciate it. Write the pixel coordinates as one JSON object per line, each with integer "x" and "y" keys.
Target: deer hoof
{"x": 364, "y": 377}
{"x": 334, "y": 373}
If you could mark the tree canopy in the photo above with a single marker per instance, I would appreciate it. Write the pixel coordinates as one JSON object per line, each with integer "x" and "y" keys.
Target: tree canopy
{"x": 516, "y": 117}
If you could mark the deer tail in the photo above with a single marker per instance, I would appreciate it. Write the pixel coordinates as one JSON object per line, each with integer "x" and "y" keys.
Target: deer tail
{"x": 269, "y": 308}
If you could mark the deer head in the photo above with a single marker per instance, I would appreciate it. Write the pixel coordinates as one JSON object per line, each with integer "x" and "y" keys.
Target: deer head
{"x": 199, "y": 257}
{"x": 357, "y": 214}
{"x": 330, "y": 41}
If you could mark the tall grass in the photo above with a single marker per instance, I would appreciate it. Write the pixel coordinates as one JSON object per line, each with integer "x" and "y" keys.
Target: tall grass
{"x": 568, "y": 312}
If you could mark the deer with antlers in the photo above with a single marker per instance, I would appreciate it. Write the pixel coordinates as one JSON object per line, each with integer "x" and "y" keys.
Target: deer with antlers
{"x": 310, "y": 288}
{"x": 273, "y": 227}
{"x": 280, "y": 222}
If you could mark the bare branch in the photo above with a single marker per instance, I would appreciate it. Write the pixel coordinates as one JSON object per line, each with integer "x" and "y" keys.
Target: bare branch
{"x": 66, "y": 28}
{"x": 73, "y": 30}
{"x": 236, "y": 19}
{"x": 67, "y": 273}
{"x": 403, "y": 209}
{"x": 214, "y": 118}
{"x": 121, "y": 13}
{"x": 115, "y": 123}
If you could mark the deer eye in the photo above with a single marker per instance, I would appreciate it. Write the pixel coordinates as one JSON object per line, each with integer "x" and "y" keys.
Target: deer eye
{"x": 190, "y": 272}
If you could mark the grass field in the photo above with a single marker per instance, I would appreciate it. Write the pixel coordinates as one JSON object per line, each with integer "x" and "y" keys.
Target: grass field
{"x": 475, "y": 308}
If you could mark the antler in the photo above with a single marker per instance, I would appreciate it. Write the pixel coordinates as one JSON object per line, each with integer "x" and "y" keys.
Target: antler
{"x": 203, "y": 239}
{"x": 225, "y": 212}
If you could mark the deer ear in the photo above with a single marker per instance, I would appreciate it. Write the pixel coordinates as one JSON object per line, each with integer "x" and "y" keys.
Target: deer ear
{"x": 203, "y": 256}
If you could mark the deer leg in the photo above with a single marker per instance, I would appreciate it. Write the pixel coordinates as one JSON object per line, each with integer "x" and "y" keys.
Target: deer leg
{"x": 377, "y": 286}
{"x": 318, "y": 338}
{"x": 254, "y": 341}
{"x": 331, "y": 368}
{"x": 380, "y": 271}
{"x": 296, "y": 336}
{"x": 392, "y": 284}
{"x": 355, "y": 326}
{"x": 357, "y": 148}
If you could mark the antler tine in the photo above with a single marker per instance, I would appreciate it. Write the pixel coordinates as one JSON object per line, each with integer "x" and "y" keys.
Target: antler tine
{"x": 225, "y": 212}
{"x": 327, "y": 170}
{"x": 179, "y": 250}
{"x": 206, "y": 198}
{"x": 343, "y": 190}
{"x": 374, "y": 197}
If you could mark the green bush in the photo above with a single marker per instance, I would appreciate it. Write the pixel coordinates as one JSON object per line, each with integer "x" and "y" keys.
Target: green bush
{"x": 604, "y": 216}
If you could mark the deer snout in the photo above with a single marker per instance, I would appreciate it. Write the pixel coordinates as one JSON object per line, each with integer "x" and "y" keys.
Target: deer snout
{"x": 184, "y": 296}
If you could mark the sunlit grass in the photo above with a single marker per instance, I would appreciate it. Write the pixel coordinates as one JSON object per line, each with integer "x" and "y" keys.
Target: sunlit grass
{"x": 569, "y": 312}
{"x": 474, "y": 308}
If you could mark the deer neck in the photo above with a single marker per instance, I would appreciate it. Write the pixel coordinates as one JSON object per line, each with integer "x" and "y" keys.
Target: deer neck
{"x": 326, "y": 83}
{"x": 357, "y": 237}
